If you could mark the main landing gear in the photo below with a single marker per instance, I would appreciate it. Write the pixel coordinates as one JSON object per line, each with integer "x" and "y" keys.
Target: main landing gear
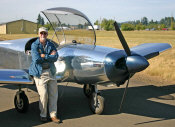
{"x": 96, "y": 102}
{"x": 21, "y": 101}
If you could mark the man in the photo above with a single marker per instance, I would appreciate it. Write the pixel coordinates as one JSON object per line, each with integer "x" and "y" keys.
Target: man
{"x": 44, "y": 54}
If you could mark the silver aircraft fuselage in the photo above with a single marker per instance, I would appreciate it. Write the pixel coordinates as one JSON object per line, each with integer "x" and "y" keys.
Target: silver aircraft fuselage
{"x": 13, "y": 54}
{"x": 80, "y": 63}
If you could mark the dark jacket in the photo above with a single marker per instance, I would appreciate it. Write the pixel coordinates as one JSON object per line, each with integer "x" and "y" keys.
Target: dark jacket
{"x": 37, "y": 61}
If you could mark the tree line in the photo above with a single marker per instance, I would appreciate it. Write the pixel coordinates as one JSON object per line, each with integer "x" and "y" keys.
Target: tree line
{"x": 142, "y": 24}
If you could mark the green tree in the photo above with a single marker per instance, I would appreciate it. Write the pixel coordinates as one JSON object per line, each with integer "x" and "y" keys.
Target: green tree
{"x": 166, "y": 21}
{"x": 137, "y": 22}
{"x": 151, "y": 22}
{"x": 144, "y": 21}
{"x": 127, "y": 27}
{"x": 110, "y": 24}
{"x": 107, "y": 24}
{"x": 161, "y": 26}
{"x": 140, "y": 27}
{"x": 97, "y": 22}
{"x": 104, "y": 23}
{"x": 40, "y": 20}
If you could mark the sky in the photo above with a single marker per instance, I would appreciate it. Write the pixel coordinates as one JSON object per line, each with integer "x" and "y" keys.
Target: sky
{"x": 119, "y": 10}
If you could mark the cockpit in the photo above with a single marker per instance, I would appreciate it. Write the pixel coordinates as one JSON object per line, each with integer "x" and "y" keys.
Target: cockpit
{"x": 70, "y": 26}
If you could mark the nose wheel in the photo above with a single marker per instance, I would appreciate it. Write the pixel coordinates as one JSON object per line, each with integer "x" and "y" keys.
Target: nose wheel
{"x": 96, "y": 102}
{"x": 21, "y": 102}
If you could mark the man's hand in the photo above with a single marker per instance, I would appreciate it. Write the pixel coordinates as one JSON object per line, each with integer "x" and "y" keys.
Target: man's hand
{"x": 53, "y": 52}
{"x": 42, "y": 55}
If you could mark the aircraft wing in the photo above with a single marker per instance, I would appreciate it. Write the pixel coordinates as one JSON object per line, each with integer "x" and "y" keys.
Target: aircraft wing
{"x": 15, "y": 76}
{"x": 150, "y": 50}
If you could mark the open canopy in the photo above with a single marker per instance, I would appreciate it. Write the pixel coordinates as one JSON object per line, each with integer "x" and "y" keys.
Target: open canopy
{"x": 70, "y": 25}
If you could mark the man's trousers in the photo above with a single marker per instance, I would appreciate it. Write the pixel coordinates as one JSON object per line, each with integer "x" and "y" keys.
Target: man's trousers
{"x": 48, "y": 92}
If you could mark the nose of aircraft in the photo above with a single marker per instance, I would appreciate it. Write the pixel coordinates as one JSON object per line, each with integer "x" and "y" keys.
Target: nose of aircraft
{"x": 136, "y": 63}
{"x": 118, "y": 69}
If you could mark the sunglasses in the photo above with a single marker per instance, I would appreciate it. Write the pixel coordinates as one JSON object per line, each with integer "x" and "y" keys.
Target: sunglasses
{"x": 43, "y": 33}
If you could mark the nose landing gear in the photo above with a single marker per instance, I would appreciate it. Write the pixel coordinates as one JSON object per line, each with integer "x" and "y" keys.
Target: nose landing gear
{"x": 96, "y": 102}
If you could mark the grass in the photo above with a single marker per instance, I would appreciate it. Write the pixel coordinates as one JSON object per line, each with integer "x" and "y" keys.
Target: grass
{"x": 162, "y": 67}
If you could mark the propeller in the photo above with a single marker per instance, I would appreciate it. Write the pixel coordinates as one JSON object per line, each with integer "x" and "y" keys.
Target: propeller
{"x": 124, "y": 94}
{"x": 122, "y": 39}
{"x": 134, "y": 63}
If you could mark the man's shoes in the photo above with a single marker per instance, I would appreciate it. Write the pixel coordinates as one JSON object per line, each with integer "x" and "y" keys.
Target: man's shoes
{"x": 55, "y": 119}
{"x": 43, "y": 119}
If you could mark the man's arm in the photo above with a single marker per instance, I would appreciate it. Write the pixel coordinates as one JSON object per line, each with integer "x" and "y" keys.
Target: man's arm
{"x": 36, "y": 56}
{"x": 53, "y": 56}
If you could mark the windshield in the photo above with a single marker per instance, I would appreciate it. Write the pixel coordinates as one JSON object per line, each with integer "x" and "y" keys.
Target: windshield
{"x": 70, "y": 26}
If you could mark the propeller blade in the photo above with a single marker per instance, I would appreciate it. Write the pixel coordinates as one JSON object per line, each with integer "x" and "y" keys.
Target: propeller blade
{"x": 122, "y": 39}
{"x": 124, "y": 94}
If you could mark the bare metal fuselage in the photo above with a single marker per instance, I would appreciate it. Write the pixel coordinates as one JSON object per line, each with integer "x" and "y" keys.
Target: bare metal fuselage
{"x": 14, "y": 57}
{"x": 84, "y": 64}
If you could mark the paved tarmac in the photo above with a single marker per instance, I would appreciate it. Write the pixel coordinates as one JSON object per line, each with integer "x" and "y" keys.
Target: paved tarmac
{"x": 145, "y": 106}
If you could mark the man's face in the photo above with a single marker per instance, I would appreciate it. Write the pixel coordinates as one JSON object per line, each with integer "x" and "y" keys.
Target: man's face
{"x": 43, "y": 36}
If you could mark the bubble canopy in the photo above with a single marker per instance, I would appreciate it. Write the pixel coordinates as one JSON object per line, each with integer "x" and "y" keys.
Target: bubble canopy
{"x": 70, "y": 25}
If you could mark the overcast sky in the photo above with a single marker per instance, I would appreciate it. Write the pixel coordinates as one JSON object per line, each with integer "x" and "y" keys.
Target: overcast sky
{"x": 120, "y": 10}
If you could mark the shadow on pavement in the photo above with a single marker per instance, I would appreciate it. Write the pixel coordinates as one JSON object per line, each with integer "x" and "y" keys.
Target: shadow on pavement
{"x": 73, "y": 104}
{"x": 137, "y": 101}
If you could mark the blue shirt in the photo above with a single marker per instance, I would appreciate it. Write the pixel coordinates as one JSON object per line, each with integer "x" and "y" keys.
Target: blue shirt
{"x": 37, "y": 61}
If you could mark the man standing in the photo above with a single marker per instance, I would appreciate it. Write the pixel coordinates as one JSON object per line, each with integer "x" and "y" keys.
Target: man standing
{"x": 44, "y": 54}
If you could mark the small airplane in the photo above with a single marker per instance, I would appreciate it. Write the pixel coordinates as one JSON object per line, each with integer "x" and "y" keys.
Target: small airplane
{"x": 80, "y": 59}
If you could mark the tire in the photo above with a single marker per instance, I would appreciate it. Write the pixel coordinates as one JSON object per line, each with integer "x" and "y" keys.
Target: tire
{"x": 100, "y": 106}
{"x": 88, "y": 91}
{"x": 21, "y": 107}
